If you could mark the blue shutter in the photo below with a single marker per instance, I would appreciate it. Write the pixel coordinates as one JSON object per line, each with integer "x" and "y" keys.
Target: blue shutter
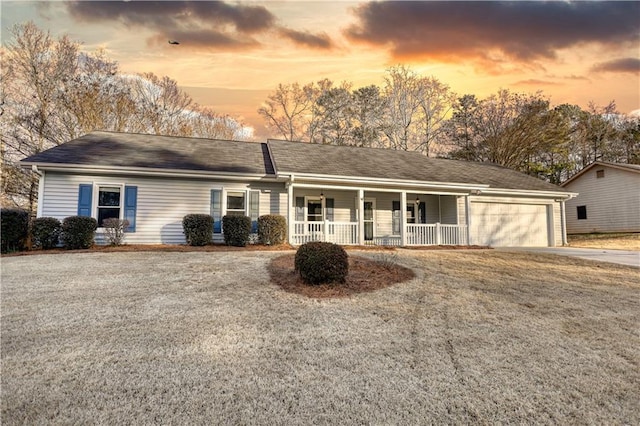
{"x": 328, "y": 204}
{"x": 84, "y": 199}
{"x": 130, "y": 206}
{"x": 299, "y": 209}
{"x": 216, "y": 210}
{"x": 422, "y": 212}
{"x": 254, "y": 209}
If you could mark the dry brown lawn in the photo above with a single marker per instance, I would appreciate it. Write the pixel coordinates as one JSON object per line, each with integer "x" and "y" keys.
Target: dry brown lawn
{"x": 606, "y": 241}
{"x": 478, "y": 336}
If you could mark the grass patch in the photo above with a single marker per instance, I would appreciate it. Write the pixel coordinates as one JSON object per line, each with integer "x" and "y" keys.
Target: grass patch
{"x": 477, "y": 337}
{"x": 617, "y": 241}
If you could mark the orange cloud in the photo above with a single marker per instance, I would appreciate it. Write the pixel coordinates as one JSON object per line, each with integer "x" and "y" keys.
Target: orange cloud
{"x": 522, "y": 31}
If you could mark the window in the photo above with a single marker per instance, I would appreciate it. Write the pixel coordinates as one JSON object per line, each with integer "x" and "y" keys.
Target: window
{"x": 582, "y": 212}
{"x": 109, "y": 203}
{"x": 236, "y": 203}
{"x": 599, "y": 174}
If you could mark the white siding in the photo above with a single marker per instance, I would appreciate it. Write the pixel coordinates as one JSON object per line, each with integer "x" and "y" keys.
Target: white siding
{"x": 612, "y": 202}
{"x": 161, "y": 202}
{"x": 462, "y": 210}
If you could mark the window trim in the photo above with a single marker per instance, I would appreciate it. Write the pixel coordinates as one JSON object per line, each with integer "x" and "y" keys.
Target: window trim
{"x": 224, "y": 204}
{"x": 245, "y": 195}
{"x": 581, "y": 209}
{"x": 96, "y": 200}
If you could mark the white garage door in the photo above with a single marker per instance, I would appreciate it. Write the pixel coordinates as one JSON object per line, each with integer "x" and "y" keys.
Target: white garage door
{"x": 509, "y": 225}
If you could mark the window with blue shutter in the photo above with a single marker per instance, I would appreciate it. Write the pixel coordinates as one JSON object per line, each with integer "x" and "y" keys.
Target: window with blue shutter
{"x": 254, "y": 209}
{"x": 85, "y": 193}
{"x": 216, "y": 210}
{"x": 130, "y": 206}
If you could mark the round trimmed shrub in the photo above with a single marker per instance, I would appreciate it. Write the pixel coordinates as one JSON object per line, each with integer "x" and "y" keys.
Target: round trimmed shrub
{"x": 45, "y": 232}
{"x": 14, "y": 229}
{"x": 198, "y": 229}
{"x": 236, "y": 230}
{"x": 319, "y": 263}
{"x": 272, "y": 229}
{"x": 78, "y": 232}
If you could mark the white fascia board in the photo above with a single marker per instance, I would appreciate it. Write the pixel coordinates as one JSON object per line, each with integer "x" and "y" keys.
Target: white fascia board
{"x": 421, "y": 190}
{"x": 530, "y": 193}
{"x": 373, "y": 182}
{"x": 148, "y": 171}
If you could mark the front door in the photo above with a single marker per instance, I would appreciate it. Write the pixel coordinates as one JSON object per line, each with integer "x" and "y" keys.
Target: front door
{"x": 368, "y": 219}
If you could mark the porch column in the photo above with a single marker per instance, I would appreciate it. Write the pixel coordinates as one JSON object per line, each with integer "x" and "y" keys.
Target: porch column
{"x": 467, "y": 208}
{"x": 563, "y": 222}
{"x": 403, "y": 218}
{"x": 361, "y": 217}
{"x": 290, "y": 212}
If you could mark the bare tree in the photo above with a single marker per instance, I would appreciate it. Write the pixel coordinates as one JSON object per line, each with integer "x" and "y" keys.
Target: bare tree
{"x": 436, "y": 103}
{"x": 402, "y": 91}
{"x": 288, "y": 110}
{"x": 35, "y": 65}
{"x": 461, "y": 130}
{"x": 159, "y": 103}
{"x": 333, "y": 116}
{"x": 368, "y": 108}
{"x": 51, "y": 92}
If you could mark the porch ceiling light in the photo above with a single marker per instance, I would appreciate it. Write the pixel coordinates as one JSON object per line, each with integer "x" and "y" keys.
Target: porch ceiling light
{"x": 417, "y": 200}
{"x": 321, "y": 196}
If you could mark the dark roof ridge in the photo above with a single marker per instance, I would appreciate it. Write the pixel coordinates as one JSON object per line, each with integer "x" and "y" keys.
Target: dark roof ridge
{"x": 114, "y": 132}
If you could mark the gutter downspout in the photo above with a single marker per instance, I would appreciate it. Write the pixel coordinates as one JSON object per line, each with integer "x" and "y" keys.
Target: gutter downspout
{"x": 40, "y": 205}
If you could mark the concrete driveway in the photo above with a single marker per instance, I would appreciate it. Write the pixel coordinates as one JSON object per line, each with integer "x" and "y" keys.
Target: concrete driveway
{"x": 623, "y": 257}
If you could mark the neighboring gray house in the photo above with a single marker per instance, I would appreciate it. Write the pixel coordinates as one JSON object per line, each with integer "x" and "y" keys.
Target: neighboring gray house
{"x": 609, "y": 199}
{"x": 345, "y": 195}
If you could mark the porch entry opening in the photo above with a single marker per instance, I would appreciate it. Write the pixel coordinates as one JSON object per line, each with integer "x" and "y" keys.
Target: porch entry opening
{"x": 314, "y": 210}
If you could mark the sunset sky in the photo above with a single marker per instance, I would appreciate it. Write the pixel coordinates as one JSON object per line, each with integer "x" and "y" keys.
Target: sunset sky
{"x": 231, "y": 55}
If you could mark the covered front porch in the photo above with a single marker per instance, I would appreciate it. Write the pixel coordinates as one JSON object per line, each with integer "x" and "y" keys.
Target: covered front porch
{"x": 383, "y": 217}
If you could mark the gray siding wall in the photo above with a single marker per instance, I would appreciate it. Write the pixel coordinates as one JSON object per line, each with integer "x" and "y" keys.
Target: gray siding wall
{"x": 161, "y": 202}
{"x": 613, "y": 202}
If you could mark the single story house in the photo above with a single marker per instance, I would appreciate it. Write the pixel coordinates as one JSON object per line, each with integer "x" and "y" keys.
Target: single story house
{"x": 341, "y": 194}
{"x": 609, "y": 199}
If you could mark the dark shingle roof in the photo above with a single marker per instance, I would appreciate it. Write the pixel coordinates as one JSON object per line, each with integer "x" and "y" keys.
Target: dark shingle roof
{"x": 126, "y": 150}
{"x": 160, "y": 152}
{"x": 291, "y": 157}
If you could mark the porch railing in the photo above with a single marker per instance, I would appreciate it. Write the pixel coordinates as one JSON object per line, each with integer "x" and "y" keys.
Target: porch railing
{"x": 436, "y": 234}
{"x": 345, "y": 233}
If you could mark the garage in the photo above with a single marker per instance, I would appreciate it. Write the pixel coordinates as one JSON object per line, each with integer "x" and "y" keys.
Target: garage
{"x": 509, "y": 224}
